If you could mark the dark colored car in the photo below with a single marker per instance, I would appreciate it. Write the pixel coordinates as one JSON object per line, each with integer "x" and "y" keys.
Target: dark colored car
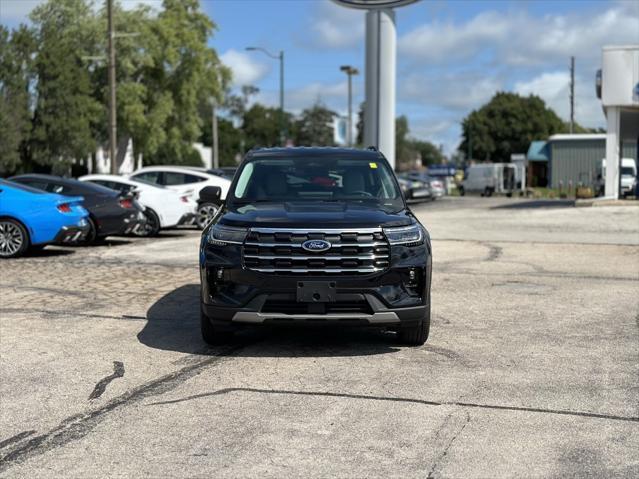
{"x": 110, "y": 212}
{"x": 315, "y": 236}
{"x": 414, "y": 189}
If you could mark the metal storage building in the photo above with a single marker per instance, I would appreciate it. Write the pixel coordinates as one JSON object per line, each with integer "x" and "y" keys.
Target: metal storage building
{"x": 577, "y": 158}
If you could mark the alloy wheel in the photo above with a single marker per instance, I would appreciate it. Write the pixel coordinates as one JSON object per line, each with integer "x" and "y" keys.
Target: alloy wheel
{"x": 205, "y": 214}
{"x": 11, "y": 238}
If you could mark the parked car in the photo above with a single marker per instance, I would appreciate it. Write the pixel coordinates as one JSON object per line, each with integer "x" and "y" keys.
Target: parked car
{"x": 414, "y": 189}
{"x": 30, "y": 218}
{"x": 110, "y": 212}
{"x": 163, "y": 208}
{"x": 488, "y": 179}
{"x": 186, "y": 180}
{"x": 437, "y": 188}
{"x": 316, "y": 236}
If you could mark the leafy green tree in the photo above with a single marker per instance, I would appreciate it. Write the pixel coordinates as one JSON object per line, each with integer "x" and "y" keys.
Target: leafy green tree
{"x": 428, "y": 152}
{"x": 359, "y": 140}
{"x": 314, "y": 127}
{"x": 507, "y": 124}
{"x": 182, "y": 73}
{"x": 16, "y": 78}
{"x": 65, "y": 110}
{"x": 261, "y": 126}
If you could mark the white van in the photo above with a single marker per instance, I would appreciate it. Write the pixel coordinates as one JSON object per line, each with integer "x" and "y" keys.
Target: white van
{"x": 628, "y": 175}
{"x": 489, "y": 178}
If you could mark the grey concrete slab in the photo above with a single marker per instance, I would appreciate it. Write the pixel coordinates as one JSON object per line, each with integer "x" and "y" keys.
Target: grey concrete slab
{"x": 532, "y": 367}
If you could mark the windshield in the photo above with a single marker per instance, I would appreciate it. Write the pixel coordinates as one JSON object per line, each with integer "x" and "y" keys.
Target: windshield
{"x": 322, "y": 179}
{"x": 627, "y": 171}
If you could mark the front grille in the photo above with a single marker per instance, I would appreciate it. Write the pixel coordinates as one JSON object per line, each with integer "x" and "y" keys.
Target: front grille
{"x": 279, "y": 251}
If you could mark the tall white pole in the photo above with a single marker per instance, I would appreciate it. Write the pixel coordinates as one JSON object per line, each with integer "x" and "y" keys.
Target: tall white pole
{"x": 613, "y": 115}
{"x": 379, "y": 111}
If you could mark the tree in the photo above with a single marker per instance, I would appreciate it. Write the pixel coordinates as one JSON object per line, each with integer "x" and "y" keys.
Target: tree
{"x": 507, "y": 124}
{"x": 315, "y": 126}
{"x": 65, "y": 110}
{"x": 261, "y": 126}
{"x": 183, "y": 73}
{"x": 428, "y": 152}
{"x": 360, "y": 125}
{"x": 16, "y": 76}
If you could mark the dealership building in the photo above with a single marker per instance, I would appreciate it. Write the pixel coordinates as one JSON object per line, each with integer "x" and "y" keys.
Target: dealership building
{"x": 575, "y": 159}
{"x": 570, "y": 159}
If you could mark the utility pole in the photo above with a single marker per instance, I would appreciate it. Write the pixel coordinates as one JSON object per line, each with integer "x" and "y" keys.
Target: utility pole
{"x": 283, "y": 133}
{"x": 572, "y": 94}
{"x": 350, "y": 71}
{"x": 214, "y": 140}
{"x": 280, "y": 57}
{"x": 113, "y": 127}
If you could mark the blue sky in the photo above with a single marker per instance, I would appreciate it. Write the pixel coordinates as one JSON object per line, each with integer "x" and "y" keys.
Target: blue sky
{"x": 452, "y": 56}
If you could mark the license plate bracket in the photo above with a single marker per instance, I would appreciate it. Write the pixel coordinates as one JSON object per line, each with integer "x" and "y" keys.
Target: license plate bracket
{"x": 316, "y": 292}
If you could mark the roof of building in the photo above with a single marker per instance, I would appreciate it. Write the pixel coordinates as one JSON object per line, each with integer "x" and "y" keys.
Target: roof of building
{"x": 537, "y": 151}
{"x": 578, "y": 136}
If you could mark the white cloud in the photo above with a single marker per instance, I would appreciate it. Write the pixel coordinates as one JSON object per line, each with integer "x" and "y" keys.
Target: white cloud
{"x": 554, "y": 89}
{"x": 460, "y": 91}
{"x": 334, "y": 26}
{"x": 246, "y": 71}
{"x": 446, "y": 42}
{"x": 331, "y": 95}
{"x": 518, "y": 38}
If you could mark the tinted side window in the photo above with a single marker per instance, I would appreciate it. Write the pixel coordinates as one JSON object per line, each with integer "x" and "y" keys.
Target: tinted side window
{"x": 38, "y": 185}
{"x": 149, "y": 177}
{"x": 58, "y": 188}
{"x": 173, "y": 178}
{"x": 193, "y": 179}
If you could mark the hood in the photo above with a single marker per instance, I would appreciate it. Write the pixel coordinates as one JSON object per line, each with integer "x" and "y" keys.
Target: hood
{"x": 313, "y": 215}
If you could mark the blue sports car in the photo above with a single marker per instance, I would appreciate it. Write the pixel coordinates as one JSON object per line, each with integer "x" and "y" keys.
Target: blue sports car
{"x": 33, "y": 218}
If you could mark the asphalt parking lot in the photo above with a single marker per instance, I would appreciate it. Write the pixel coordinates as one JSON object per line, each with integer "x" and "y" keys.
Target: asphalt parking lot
{"x": 531, "y": 369}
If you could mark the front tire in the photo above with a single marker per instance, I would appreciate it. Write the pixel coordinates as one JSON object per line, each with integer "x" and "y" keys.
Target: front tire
{"x": 205, "y": 213}
{"x": 416, "y": 335}
{"x": 14, "y": 239}
{"x": 212, "y": 335}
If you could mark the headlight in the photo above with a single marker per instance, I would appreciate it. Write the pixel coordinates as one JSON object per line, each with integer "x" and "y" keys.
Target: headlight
{"x": 405, "y": 234}
{"x": 221, "y": 235}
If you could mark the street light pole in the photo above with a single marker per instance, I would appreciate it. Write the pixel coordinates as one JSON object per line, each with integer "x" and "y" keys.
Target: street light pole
{"x": 214, "y": 139}
{"x": 113, "y": 127}
{"x": 350, "y": 71}
{"x": 279, "y": 57}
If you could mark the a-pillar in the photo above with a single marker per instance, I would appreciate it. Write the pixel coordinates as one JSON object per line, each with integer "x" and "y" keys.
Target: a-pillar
{"x": 379, "y": 111}
{"x": 613, "y": 142}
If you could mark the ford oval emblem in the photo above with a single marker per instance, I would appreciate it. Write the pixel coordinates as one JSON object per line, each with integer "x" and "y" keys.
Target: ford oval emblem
{"x": 316, "y": 246}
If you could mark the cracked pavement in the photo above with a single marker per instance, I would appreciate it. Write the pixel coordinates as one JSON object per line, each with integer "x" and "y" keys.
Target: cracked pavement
{"x": 531, "y": 369}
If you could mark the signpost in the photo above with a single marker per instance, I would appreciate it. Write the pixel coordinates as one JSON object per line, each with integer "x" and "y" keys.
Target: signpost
{"x": 381, "y": 39}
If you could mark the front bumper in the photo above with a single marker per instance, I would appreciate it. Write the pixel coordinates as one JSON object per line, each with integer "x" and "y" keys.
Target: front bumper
{"x": 73, "y": 234}
{"x": 232, "y": 293}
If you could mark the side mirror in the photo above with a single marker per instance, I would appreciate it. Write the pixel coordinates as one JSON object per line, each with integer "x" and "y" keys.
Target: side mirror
{"x": 211, "y": 194}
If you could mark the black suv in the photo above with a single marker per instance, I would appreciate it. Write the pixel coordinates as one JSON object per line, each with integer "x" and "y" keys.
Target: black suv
{"x": 315, "y": 236}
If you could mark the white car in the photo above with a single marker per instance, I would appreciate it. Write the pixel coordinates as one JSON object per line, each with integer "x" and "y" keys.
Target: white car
{"x": 187, "y": 181}
{"x": 164, "y": 208}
